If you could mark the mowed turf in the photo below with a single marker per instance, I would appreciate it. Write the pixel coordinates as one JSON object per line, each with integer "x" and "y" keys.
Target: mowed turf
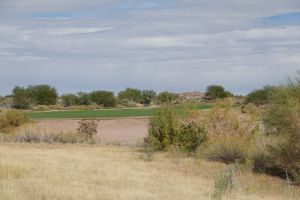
{"x": 103, "y": 113}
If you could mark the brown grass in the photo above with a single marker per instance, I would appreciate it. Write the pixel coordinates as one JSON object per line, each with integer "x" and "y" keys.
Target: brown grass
{"x": 42, "y": 171}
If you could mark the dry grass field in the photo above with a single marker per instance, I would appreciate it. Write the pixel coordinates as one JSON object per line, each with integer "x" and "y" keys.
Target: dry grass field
{"x": 76, "y": 172}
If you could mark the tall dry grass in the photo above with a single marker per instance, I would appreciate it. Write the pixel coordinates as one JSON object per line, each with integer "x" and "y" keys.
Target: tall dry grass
{"x": 44, "y": 171}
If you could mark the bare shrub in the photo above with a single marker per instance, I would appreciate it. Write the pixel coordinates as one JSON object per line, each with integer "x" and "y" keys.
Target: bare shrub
{"x": 38, "y": 136}
{"x": 87, "y": 128}
{"x": 223, "y": 119}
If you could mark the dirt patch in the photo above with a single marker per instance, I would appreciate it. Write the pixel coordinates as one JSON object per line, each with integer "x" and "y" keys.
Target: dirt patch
{"x": 125, "y": 131}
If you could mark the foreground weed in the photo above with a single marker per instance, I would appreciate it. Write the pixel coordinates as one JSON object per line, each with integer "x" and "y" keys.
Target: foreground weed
{"x": 224, "y": 183}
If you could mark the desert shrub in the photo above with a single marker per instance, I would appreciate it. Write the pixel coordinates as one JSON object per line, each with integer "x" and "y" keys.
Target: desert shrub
{"x": 163, "y": 127}
{"x": 224, "y": 183}
{"x": 166, "y": 97}
{"x": 223, "y": 119}
{"x": 282, "y": 120}
{"x": 260, "y": 97}
{"x": 87, "y": 129}
{"x": 227, "y": 149}
{"x": 190, "y": 136}
{"x": 12, "y": 119}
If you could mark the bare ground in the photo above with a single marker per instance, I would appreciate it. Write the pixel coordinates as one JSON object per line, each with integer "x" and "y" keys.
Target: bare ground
{"x": 124, "y": 131}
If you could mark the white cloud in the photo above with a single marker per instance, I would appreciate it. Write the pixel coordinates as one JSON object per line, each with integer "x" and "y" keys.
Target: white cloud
{"x": 185, "y": 46}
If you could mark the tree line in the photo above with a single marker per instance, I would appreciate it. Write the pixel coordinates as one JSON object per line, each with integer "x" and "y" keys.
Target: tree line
{"x": 26, "y": 97}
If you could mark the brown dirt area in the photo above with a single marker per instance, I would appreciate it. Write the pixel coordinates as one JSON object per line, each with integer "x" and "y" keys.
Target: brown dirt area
{"x": 129, "y": 131}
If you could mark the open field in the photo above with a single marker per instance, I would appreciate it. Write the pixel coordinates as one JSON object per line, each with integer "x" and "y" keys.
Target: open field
{"x": 103, "y": 113}
{"x": 41, "y": 171}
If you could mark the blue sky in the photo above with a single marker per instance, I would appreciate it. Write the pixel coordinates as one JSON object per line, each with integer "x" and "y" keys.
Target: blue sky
{"x": 175, "y": 45}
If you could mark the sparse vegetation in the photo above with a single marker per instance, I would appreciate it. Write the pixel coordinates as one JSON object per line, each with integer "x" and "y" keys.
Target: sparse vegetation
{"x": 87, "y": 129}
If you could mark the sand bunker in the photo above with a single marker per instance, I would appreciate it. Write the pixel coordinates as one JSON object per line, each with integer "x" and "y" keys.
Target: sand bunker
{"x": 125, "y": 131}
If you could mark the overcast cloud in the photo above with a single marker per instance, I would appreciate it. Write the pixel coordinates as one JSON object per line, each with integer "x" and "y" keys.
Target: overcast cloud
{"x": 176, "y": 45}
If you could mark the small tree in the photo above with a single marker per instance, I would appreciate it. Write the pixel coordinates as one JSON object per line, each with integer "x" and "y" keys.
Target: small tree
{"x": 43, "y": 94}
{"x": 261, "y": 96}
{"x": 87, "y": 128}
{"x": 105, "y": 98}
{"x": 131, "y": 94}
{"x": 148, "y": 96}
{"x": 20, "y": 98}
{"x": 216, "y": 92}
{"x": 166, "y": 97}
{"x": 70, "y": 100}
{"x": 83, "y": 98}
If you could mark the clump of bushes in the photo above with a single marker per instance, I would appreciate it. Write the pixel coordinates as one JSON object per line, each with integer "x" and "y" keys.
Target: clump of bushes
{"x": 12, "y": 119}
{"x": 168, "y": 130}
{"x": 190, "y": 136}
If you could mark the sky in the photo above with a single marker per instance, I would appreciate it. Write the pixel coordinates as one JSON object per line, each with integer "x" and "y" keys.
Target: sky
{"x": 174, "y": 45}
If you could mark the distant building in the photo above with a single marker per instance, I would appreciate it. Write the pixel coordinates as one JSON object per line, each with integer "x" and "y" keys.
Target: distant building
{"x": 191, "y": 96}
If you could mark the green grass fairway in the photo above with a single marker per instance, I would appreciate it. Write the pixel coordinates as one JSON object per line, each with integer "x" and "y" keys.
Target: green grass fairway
{"x": 103, "y": 113}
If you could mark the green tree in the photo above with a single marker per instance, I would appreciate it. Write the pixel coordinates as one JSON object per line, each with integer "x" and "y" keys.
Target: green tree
{"x": 166, "y": 97}
{"x": 131, "y": 94}
{"x": 216, "y": 92}
{"x": 43, "y": 94}
{"x": 70, "y": 100}
{"x": 261, "y": 96}
{"x": 148, "y": 96}
{"x": 105, "y": 98}
{"x": 21, "y": 98}
{"x": 83, "y": 98}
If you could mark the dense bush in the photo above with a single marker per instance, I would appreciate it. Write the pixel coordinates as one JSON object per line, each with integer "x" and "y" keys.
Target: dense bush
{"x": 148, "y": 96}
{"x": 217, "y": 92}
{"x": 282, "y": 120}
{"x": 105, "y": 98}
{"x": 70, "y": 100}
{"x": 260, "y": 97}
{"x": 190, "y": 136}
{"x": 21, "y": 98}
{"x": 166, "y": 97}
{"x": 163, "y": 127}
{"x": 131, "y": 94}
{"x": 37, "y": 94}
{"x": 12, "y": 119}
{"x": 42, "y": 94}
{"x": 168, "y": 130}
